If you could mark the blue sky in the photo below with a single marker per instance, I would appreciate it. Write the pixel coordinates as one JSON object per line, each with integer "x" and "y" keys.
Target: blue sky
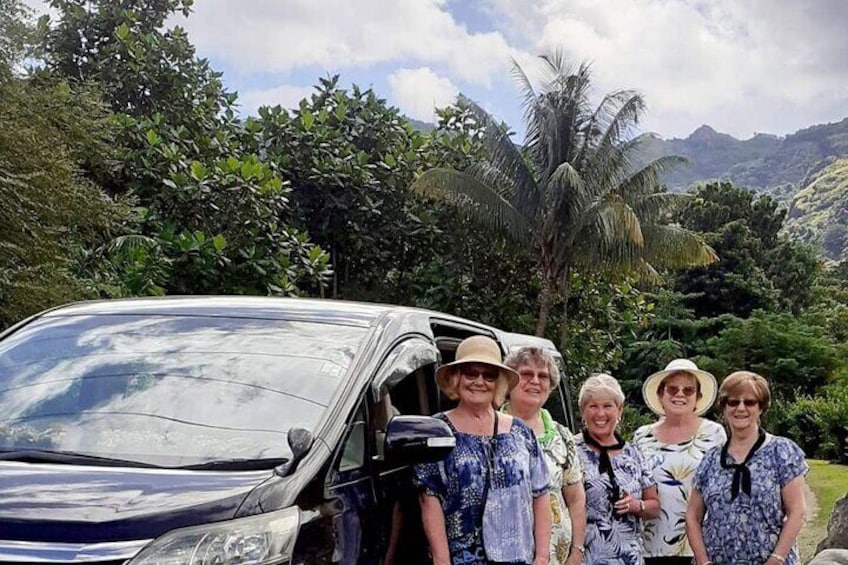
{"x": 741, "y": 66}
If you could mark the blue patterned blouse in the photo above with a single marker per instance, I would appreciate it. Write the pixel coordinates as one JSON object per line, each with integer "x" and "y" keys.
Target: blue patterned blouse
{"x": 520, "y": 474}
{"x": 612, "y": 540}
{"x": 745, "y": 530}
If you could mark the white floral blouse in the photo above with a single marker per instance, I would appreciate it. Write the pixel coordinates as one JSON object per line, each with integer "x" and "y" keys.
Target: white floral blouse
{"x": 674, "y": 466}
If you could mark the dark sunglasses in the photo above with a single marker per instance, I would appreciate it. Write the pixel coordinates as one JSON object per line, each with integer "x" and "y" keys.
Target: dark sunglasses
{"x": 748, "y": 402}
{"x": 687, "y": 390}
{"x": 471, "y": 374}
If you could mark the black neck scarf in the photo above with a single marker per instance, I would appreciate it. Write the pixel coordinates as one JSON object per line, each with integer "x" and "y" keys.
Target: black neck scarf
{"x": 604, "y": 462}
{"x": 741, "y": 472}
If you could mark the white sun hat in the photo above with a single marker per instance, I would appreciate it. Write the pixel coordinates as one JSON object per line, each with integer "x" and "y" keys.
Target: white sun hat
{"x": 707, "y": 382}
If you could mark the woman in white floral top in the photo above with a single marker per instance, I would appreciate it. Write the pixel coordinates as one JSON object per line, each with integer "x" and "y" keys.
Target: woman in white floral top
{"x": 673, "y": 447}
{"x": 538, "y": 375}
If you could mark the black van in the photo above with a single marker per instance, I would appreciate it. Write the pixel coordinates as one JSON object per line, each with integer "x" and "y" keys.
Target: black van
{"x": 222, "y": 430}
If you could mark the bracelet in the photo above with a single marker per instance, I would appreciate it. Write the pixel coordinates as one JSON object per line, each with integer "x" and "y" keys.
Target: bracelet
{"x": 641, "y": 506}
{"x": 580, "y": 548}
{"x": 778, "y": 557}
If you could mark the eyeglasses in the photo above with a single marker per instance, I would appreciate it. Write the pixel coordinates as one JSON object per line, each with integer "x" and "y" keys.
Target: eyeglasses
{"x": 471, "y": 374}
{"x": 528, "y": 376}
{"x": 748, "y": 402}
{"x": 686, "y": 390}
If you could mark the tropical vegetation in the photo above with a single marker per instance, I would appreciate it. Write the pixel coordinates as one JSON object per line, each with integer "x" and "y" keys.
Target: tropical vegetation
{"x": 127, "y": 169}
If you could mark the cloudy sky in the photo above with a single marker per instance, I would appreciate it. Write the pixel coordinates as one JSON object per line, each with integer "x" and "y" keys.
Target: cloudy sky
{"x": 741, "y": 66}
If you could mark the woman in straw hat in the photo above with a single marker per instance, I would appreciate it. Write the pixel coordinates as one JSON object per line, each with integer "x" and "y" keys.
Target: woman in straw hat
{"x": 747, "y": 502}
{"x": 620, "y": 490}
{"x": 487, "y": 502}
{"x": 673, "y": 448}
{"x": 538, "y": 374}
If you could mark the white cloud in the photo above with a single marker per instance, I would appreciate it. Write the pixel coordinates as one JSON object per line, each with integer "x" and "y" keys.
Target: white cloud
{"x": 281, "y": 36}
{"x": 287, "y": 96}
{"x": 417, "y": 92}
{"x": 743, "y": 67}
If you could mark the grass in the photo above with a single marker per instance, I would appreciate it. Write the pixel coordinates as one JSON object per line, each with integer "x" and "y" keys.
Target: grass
{"x": 829, "y": 483}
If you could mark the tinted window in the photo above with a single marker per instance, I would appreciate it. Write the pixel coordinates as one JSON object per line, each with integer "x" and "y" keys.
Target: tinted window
{"x": 169, "y": 391}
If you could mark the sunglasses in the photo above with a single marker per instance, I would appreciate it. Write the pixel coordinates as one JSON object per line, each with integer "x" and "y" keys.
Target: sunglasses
{"x": 748, "y": 402}
{"x": 472, "y": 374}
{"x": 686, "y": 390}
{"x": 529, "y": 376}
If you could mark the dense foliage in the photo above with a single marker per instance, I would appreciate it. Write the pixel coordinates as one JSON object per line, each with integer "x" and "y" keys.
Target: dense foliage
{"x": 818, "y": 213}
{"x": 125, "y": 170}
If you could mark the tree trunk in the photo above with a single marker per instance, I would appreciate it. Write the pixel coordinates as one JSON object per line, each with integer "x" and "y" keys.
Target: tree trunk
{"x": 566, "y": 293}
{"x": 544, "y": 306}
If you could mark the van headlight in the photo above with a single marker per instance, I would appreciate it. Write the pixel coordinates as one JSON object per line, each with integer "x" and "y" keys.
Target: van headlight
{"x": 264, "y": 539}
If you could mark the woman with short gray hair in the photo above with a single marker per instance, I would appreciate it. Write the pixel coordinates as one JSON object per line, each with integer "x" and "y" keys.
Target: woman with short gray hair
{"x": 620, "y": 490}
{"x": 538, "y": 375}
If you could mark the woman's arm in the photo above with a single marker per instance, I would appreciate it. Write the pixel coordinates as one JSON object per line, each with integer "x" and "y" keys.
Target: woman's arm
{"x": 542, "y": 520}
{"x": 695, "y": 512}
{"x": 433, "y": 518}
{"x": 650, "y": 507}
{"x": 796, "y": 510}
{"x": 575, "y": 500}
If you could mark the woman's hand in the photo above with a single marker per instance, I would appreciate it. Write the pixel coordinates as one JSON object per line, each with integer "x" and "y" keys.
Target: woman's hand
{"x": 575, "y": 558}
{"x": 626, "y": 504}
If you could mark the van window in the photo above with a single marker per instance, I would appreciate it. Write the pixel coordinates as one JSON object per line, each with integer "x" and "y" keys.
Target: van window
{"x": 169, "y": 390}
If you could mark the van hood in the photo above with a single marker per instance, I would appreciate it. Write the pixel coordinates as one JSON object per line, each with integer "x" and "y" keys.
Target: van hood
{"x": 82, "y": 504}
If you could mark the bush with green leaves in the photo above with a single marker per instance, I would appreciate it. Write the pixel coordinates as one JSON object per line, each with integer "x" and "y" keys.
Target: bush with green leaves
{"x": 819, "y": 424}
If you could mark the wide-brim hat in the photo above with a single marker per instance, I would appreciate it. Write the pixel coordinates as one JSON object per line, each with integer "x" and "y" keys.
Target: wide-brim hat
{"x": 477, "y": 349}
{"x": 708, "y": 386}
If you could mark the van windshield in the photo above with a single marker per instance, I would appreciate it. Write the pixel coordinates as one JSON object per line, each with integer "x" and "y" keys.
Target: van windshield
{"x": 168, "y": 391}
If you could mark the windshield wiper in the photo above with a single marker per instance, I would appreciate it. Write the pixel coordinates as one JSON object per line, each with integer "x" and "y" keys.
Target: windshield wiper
{"x": 67, "y": 458}
{"x": 236, "y": 464}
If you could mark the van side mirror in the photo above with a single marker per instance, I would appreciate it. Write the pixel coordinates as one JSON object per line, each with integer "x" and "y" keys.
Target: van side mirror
{"x": 417, "y": 439}
{"x": 300, "y": 442}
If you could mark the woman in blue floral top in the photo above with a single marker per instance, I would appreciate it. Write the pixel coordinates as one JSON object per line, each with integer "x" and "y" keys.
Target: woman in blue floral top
{"x": 487, "y": 502}
{"x": 747, "y": 505}
{"x": 620, "y": 489}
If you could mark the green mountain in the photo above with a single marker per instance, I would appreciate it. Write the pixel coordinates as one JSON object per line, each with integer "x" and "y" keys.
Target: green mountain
{"x": 764, "y": 162}
{"x": 818, "y": 213}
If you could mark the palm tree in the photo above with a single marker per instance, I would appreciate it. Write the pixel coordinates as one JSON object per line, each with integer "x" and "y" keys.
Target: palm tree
{"x": 573, "y": 190}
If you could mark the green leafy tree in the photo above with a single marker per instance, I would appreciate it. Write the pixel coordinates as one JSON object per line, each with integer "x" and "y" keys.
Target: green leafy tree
{"x": 144, "y": 67}
{"x": 52, "y": 219}
{"x": 350, "y": 159}
{"x": 759, "y": 267}
{"x": 796, "y": 358}
{"x": 571, "y": 192}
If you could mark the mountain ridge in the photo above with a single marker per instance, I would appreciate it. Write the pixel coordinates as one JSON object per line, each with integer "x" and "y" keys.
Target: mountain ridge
{"x": 764, "y": 162}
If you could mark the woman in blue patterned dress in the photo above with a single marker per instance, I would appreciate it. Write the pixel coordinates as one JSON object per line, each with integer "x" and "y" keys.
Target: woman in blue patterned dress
{"x": 620, "y": 489}
{"x": 487, "y": 502}
{"x": 747, "y": 505}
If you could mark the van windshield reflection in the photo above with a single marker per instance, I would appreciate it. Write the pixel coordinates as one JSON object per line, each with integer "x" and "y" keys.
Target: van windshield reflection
{"x": 170, "y": 391}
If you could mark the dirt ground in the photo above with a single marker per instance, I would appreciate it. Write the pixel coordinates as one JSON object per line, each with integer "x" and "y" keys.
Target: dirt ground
{"x": 810, "y": 535}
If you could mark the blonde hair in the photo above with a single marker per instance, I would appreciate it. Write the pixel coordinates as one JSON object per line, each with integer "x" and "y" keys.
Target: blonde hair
{"x": 600, "y": 384}
{"x": 740, "y": 381}
{"x": 536, "y": 356}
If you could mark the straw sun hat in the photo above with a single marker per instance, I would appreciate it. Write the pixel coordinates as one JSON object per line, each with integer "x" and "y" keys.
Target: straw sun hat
{"x": 709, "y": 388}
{"x": 476, "y": 349}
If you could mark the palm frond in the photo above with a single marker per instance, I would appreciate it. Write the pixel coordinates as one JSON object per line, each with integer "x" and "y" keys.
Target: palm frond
{"x": 129, "y": 243}
{"x": 675, "y": 247}
{"x": 479, "y": 199}
{"x": 506, "y": 157}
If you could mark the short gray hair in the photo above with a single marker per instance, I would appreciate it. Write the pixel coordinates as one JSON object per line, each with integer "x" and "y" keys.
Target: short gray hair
{"x": 535, "y": 355}
{"x": 600, "y": 384}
